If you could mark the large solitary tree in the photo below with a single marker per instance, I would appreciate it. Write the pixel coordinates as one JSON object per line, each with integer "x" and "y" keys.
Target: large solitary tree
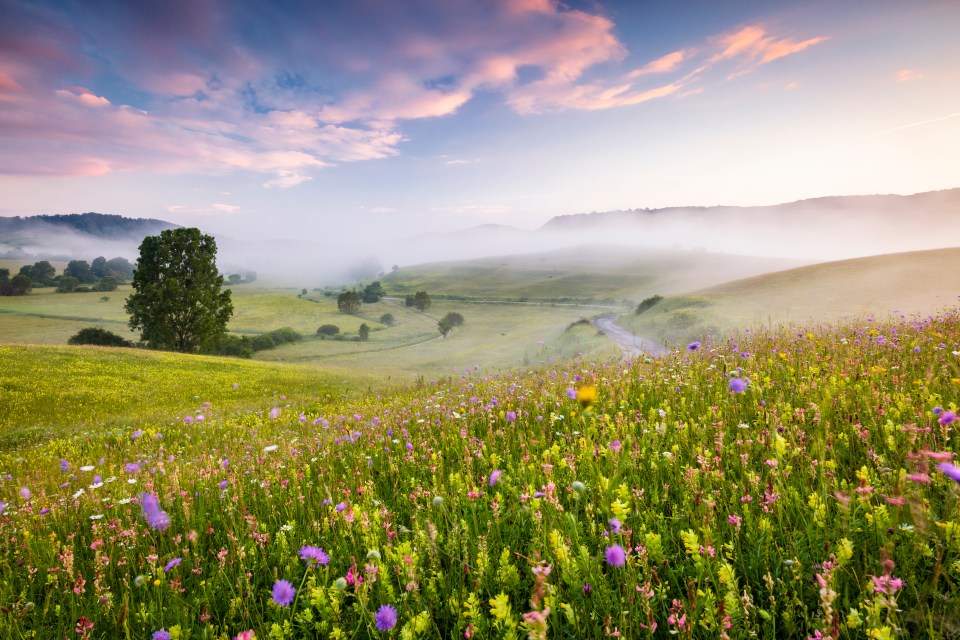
{"x": 177, "y": 301}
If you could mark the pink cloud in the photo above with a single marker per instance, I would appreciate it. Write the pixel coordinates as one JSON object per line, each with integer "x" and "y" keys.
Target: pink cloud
{"x": 908, "y": 75}
{"x": 754, "y": 46}
{"x": 664, "y": 64}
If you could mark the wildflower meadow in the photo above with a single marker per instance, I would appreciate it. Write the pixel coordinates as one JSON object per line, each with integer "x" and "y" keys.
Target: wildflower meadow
{"x": 788, "y": 484}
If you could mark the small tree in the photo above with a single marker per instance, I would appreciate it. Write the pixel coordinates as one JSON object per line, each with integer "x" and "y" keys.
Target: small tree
{"x": 327, "y": 330}
{"x": 98, "y": 336}
{"x": 373, "y": 292}
{"x": 99, "y": 267}
{"x": 421, "y": 300}
{"x": 348, "y": 302}
{"x": 120, "y": 268}
{"x": 80, "y": 269}
{"x": 68, "y": 284}
{"x": 234, "y": 278}
{"x": 20, "y": 285}
{"x": 387, "y": 319}
{"x": 364, "y": 332}
{"x": 448, "y": 322}
{"x": 177, "y": 302}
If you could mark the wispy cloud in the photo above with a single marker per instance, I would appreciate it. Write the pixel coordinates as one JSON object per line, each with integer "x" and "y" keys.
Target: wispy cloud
{"x": 753, "y": 46}
{"x": 664, "y": 64}
{"x": 911, "y": 125}
{"x": 908, "y": 75}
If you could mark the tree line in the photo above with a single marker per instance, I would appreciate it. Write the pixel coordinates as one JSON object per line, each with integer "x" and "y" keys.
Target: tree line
{"x": 78, "y": 276}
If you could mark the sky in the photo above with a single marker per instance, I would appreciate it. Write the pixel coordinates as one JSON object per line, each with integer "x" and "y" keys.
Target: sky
{"x": 362, "y": 116}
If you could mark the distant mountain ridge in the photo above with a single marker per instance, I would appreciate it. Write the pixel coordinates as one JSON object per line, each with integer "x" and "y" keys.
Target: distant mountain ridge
{"x": 100, "y": 225}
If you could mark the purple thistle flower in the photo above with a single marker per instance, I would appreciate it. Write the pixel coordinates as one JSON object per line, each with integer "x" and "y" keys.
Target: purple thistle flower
{"x": 571, "y": 393}
{"x": 616, "y": 446}
{"x": 738, "y": 385}
{"x": 64, "y": 466}
{"x": 188, "y": 419}
{"x": 341, "y": 506}
{"x": 170, "y": 565}
{"x": 616, "y": 556}
{"x": 161, "y": 634}
{"x": 511, "y": 416}
{"x": 283, "y": 593}
{"x": 314, "y": 555}
{"x": 158, "y": 521}
{"x": 223, "y": 484}
{"x": 25, "y": 493}
{"x": 136, "y": 434}
{"x": 947, "y": 417}
{"x": 494, "y": 477}
{"x": 132, "y": 467}
{"x": 937, "y": 411}
{"x": 274, "y": 413}
{"x": 386, "y": 618}
{"x": 952, "y": 471}
{"x": 693, "y": 346}
{"x": 615, "y": 526}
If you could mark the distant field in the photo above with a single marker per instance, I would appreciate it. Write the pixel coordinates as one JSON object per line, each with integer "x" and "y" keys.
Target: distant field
{"x": 921, "y": 282}
{"x": 601, "y": 274}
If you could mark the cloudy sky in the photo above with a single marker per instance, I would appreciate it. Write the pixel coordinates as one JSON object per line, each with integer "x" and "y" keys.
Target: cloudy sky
{"x": 442, "y": 113}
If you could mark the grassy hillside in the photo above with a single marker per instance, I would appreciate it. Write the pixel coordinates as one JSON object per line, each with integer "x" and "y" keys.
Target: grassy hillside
{"x": 605, "y": 274}
{"x": 46, "y": 391}
{"x": 919, "y": 282}
{"x": 789, "y": 486}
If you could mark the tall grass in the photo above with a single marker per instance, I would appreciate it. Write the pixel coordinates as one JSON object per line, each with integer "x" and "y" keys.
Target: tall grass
{"x": 652, "y": 499}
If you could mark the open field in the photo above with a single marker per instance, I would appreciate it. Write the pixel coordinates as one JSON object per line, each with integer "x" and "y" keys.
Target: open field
{"x": 785, "y": 486}
{"x": 920, "y": 282}
{"x": 600, "y": 274}
{"x": 47, "y": 391}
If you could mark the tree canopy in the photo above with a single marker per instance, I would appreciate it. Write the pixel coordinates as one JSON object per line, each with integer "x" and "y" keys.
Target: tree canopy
{"x": 177, "y": 301}
{"x": 348, "y": 302}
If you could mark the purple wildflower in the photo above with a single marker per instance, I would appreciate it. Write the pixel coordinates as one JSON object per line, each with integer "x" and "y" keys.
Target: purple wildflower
{"x": 571, "y": 393}
{"x": 161, "y": 634}
{"x": 274, "y": 413}
{"x": 693, "y": 346}
{"x": 314, "y": 555}
{"x": 386, "y": 618}
{"x": 136, "y": 434}
{"x": 511, "y": 416}
{"x": 615, "y": 526}
{"x": 64, "y": 466}
{"x": 616, "y": 556}
{"x": 132, "y": 467}
{"x": 952, "y": 471}
{"x": 615, "y": 446}
{"x": 947, "y": 417}
{"x": 188, "y": 419}
{"x": 157, "y": 518}
{"x": 283, "y": 593}
{"x": 738, "y": 385}
{"x": 223, "y": 484}
{"x": 937, "y": 411}
{"x": 170, "y": 565}
{"x": 494, "y": 477}
{"x": 341, "y": 506}
{"x": 3, "y": 506}
{"x": 25, "y": 493}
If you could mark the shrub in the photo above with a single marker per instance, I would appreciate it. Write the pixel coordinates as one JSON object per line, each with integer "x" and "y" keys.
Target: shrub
{"x": 647, "y": 303}
{"x": 387, "y": 319}
{"x": 262, "y": 342}
{"x": 328, "y": 330}
{"x": 364, "y": 332}
{"x": 98, "y": 336}
{"x": 235, "y": 346}
{"x": 285, "y": 335}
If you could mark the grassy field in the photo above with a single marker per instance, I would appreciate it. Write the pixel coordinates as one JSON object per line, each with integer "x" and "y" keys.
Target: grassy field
{"x": 784, "y": 486}
{"x": 46, "y": 391}
{"x": 600, "y": 274}
{"x": 920, "y": 282}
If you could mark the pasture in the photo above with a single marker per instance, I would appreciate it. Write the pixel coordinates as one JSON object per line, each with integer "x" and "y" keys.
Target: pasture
{"x": 788, "y": 484}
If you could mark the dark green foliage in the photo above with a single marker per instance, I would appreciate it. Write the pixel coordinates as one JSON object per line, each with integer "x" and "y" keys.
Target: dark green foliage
{"x": 177, "y": 302}
{"x": 328, "y": 330}
{"x": 250, "y": 276}
{"x": 448, "y": 322}
{"x": 106, "y": 283}
{"x": 373, "y": 292}
{"x": 285, "y": 335}
{"x": 364, "y": 332}
{"x": 95, "y": 224}
{"x": 120, "y": 268}
{"x": 98, "y": 336}
{"x": 80, "y": 269}
{"x": 41, "y": 273}
{"x": 421, "y": 300}
{"x": 20, "y": 285}
{"x": 99, "y": 267}
{"x": 235, "y": 346}
{"x": 235, "y": 278}
{"x": 262, "y": 342}
{"x": 348, "y": 302}
{"x": 4, "y": 275}
{"x": 68, "y": 284}
{"x": 387, "y": 319}
{"x": 646, "y": 304}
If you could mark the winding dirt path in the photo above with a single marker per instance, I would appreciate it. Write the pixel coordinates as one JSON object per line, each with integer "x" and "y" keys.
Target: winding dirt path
{"x": 632, "y": 345}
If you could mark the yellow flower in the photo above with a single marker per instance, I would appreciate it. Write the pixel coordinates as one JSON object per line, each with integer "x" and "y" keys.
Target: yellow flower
{"x": 587, "y": 395}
